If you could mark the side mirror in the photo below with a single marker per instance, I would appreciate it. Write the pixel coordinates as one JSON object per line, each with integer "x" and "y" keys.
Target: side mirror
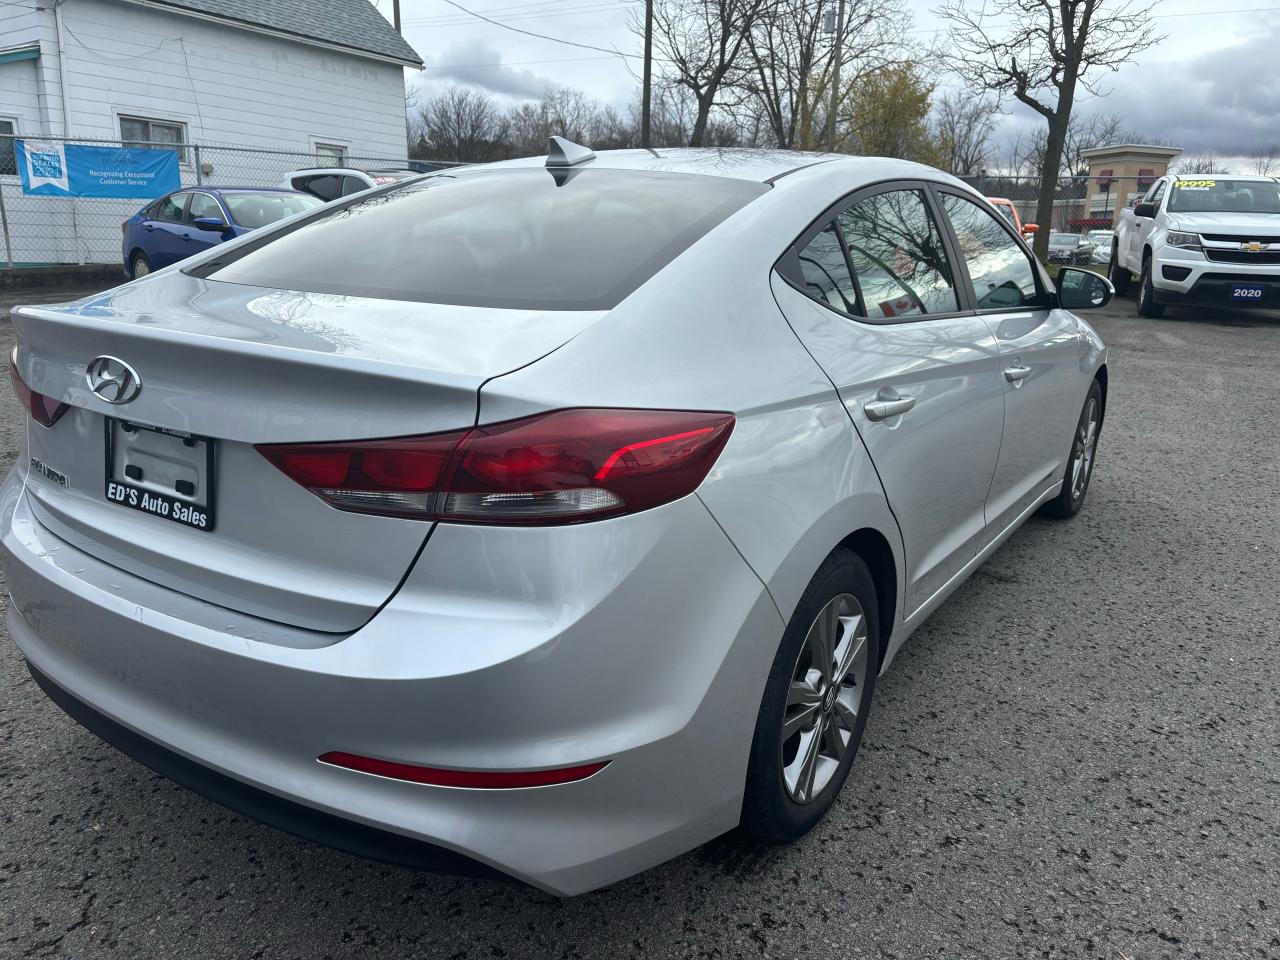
{"x": 216, "y": 224}
{"x": 1083, "y": 289}
{"x": 1142, "y": 209}
{"x": 1031, "y": 228}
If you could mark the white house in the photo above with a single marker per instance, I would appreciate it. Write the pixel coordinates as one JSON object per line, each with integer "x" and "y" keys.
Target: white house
{"x": 320, "y": 79}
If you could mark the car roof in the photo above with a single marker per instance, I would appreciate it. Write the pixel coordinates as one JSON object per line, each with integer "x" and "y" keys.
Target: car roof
{"x": 1252, "y": 177}
{"x": 347, "y": 171}
{"x": 241, "y": 189}
{"x": 737, "y": 163}
{"x": 732, "y": 162}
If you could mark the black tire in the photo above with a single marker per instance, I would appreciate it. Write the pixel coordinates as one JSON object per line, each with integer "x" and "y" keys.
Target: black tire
{"x": 1071, "y": 497}
{"x": 769, "y": 813}
{"x": 1147, "y": 306}
{"x": 1118, "y": 275}
{"x": 139, "y": 260}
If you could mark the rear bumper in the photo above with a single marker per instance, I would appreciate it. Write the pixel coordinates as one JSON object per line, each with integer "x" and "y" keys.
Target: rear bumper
{"x": 295, "y": 818}
{"x": 646, "y": 644}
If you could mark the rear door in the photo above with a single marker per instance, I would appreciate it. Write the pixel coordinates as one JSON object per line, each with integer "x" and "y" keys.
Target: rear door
{"x": 870, "y": 290}
{"x": 1040, "y": 350}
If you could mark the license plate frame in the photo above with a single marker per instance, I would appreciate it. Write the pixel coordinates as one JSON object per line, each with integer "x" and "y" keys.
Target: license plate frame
{"x": 196, "y": 510}
{"x": 1247, "y": 292}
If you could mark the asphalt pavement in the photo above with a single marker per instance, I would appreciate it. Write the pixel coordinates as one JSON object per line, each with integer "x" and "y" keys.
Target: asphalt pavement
{"x": 1077, "y": 756}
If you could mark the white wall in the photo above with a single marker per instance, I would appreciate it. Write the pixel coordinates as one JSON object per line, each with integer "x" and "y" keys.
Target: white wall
{"x": 226, "y": 84}
{"x": 23, "y": 91}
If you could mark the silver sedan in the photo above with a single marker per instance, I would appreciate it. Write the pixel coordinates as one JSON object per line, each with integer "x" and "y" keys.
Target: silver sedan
{"x": 547, "y": 518}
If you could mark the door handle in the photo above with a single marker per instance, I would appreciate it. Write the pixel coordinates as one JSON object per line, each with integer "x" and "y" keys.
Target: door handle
{"x": 148, "y": 227}
{"x": 884, "y": 409}
{"x": 1017, "y": 373}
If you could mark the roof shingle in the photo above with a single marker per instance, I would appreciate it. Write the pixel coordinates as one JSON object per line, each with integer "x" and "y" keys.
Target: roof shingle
{"x": 354, "y": 24}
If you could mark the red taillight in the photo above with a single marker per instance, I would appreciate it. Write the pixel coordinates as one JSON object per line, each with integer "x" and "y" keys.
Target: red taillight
{"x": 475, "y": 779}
{"x": 44, "y": 410}
{"x": 562, "y": 467}
{"x": 394, "y": 477}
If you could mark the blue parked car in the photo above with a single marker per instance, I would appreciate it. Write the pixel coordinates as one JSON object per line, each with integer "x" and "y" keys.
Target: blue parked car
{"x": 191, "y": 220}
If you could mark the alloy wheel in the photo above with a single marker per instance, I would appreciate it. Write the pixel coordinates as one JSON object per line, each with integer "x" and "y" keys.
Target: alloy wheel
{"x": 1086, "y": 444}
{"x": 140, "y": 268}
{"x": 824, "y": 698}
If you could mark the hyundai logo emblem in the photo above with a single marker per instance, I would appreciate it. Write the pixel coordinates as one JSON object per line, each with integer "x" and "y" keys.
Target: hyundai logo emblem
{"x": 112, "y": 379}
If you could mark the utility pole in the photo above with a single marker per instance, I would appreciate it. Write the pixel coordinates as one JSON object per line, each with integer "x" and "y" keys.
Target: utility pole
{"x": 648, "y": 74}
{"x": 836, "y": 54}
{"x": 395, "y": 14}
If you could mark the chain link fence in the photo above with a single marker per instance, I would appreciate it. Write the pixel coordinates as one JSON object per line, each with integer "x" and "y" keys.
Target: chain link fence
{"x": 43, "y": 230}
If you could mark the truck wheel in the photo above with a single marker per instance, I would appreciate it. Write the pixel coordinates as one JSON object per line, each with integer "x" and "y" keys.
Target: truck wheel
{"x": 1118, "y": 275}
{"x": 1147, "y": 306}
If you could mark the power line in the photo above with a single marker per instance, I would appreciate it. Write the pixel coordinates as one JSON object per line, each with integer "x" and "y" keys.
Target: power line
{"x": 514, "y": 63}
{"x": 1214, "y": 13}
{"x": 535, "y": 15}
{"x": 521, "y": 8}
{"x": 543, "y": 36}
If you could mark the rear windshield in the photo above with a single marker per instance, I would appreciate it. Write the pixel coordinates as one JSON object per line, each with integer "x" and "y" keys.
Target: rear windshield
{"x": 523, "y": 238}
{"x": 1224, "y": 195}
{"x": 255, "y": 210}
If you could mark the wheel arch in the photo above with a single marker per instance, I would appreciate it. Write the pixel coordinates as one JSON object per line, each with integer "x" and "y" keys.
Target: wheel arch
{"x": 1102, "y": 377}
{"x": 874, "y": 549}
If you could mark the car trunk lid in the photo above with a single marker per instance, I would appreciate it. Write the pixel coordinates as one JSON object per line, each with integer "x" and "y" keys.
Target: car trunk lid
{"x": 223, "y": 367}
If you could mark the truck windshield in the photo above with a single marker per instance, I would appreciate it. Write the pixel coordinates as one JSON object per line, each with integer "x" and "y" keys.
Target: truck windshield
{"x": 1221, "y": 195}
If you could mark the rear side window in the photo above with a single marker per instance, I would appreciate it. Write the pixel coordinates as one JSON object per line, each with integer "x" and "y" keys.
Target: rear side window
{"x": 525, "y": 238}
{"x": 826, "y": 272}
{"x": 352, "y": 185}
{"x": 327, "y": 186}
{"x": 898, "y": 256}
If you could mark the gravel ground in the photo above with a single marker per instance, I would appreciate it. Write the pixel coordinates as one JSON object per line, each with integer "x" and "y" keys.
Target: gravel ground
{"x": 1076, "y": 757}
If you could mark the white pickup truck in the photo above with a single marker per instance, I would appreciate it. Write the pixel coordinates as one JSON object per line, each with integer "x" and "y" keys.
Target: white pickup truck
{"x": 1201, "y": 239}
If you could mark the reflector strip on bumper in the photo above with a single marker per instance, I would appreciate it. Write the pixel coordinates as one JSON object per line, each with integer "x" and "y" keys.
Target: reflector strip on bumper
{"x": 474, "y": 779}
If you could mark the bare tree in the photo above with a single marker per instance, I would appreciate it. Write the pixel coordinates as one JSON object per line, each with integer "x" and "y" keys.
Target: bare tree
{"x": 963, "y": 127}
{"x": 1043, "y": 52}
{"x": 458, "y": 124}
{"x": 1204, "y": 163}
{"x": 1265, "y": 162}
{"x": 792, "y": 62}
{"x": 700, "y": 45}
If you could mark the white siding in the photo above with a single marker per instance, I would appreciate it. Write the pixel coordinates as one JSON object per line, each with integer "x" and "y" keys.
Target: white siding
{"x": 26, "y": 85}
{"x": 226, "y": 84}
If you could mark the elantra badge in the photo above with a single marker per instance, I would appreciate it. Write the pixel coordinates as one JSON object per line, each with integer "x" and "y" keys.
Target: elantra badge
{"x": 112, "y": 379}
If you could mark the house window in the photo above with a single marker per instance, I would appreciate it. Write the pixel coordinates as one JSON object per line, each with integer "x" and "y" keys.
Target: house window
{"x": 8, "y": 161}
{"x": 154, "y": 135}
{"x": 331, "y": 155}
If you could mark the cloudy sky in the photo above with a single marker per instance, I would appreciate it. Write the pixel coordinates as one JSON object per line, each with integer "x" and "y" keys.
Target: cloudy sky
{"x": 1211, "y": 86}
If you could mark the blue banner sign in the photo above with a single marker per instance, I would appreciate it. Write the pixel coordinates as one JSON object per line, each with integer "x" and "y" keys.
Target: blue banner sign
{"x": 54, "y": 169}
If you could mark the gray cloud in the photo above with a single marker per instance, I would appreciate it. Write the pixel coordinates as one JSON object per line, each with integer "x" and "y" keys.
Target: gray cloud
{"x": 466, "y": 63}
{"x": 1226, "y": 101}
